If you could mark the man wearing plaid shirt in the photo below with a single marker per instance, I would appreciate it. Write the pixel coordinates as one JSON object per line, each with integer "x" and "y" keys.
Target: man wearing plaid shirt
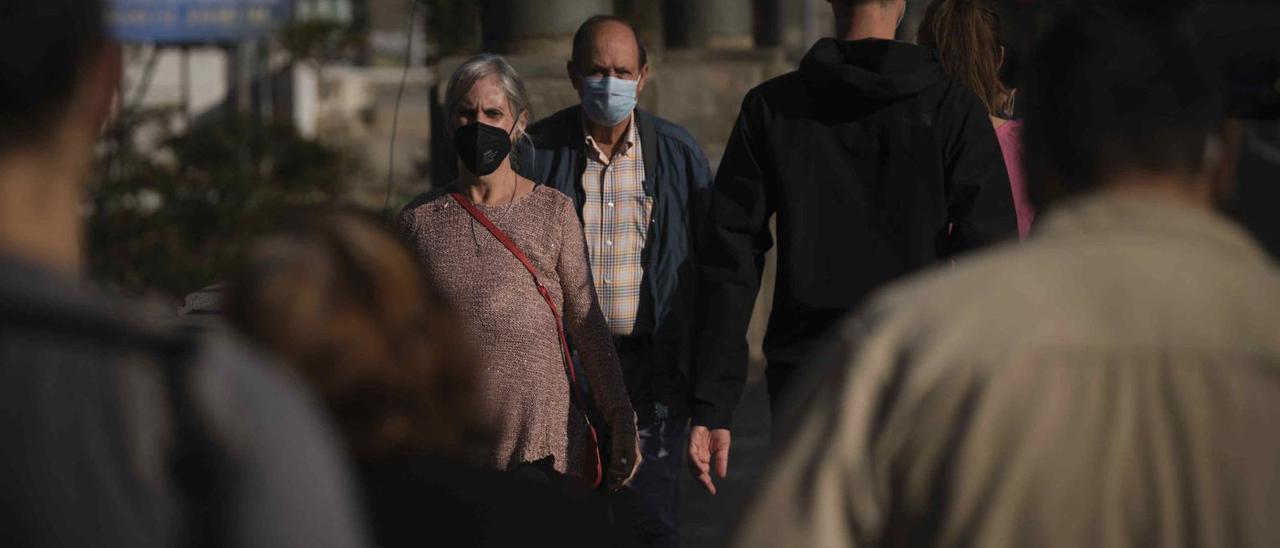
{"x": 615, "y": 217}
{"x": 640, "y": 184}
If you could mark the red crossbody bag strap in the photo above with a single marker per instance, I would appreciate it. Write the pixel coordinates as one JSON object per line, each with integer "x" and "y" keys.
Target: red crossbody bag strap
{"x": 502, "y": 237}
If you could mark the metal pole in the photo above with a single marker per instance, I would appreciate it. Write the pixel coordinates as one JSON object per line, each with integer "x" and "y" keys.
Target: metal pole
{"x": 144, "y": 84}
{"x": 811, "y": 32}
{"x": 184, "y": 81}
{"x": 116, "y": 163}
{"x": 243, "y": 70}
{"x": 266, "y": 87}
{"x": 769, "y": 22}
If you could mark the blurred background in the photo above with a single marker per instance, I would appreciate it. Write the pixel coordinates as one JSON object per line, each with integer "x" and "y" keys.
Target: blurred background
{"x": 232, "y": 112}
{"x": 233, "y": 109}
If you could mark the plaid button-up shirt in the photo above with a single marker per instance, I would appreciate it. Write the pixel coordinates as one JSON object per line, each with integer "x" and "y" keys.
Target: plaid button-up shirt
{"x": 615, "y": 216}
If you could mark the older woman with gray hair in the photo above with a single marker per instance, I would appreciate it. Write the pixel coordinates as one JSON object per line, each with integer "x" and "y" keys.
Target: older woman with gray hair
{"x": 510, "y": 256}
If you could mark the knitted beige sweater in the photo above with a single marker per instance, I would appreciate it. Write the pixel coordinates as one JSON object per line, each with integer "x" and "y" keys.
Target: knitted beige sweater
{"x": 526, "y": 390}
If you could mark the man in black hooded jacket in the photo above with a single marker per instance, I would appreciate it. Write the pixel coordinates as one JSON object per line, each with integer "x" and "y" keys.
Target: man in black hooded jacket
{"x": 876, "y": 163}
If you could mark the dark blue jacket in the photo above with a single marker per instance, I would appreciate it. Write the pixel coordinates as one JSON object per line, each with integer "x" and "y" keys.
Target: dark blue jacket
{"x": 677, "y": 177}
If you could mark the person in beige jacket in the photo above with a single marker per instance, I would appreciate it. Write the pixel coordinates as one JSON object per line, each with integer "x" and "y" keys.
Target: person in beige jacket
{"x": 1113, "y": 381}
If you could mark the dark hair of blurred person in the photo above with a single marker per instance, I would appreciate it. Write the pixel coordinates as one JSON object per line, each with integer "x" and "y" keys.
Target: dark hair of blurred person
{"x": 347, "y": 307}
{"x": 58, "y": 80}
{"x": 1113, "y": 381}
{"x": 119, "y": 433}
{"x": 350, "y": 310}
{"x": 969, "y": 37}
{"x": 1159, "y": 110}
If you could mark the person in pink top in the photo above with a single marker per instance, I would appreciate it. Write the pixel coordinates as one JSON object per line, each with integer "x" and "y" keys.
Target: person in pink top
{"x": 1010, "y": 134}
{"x": 968, "y": 36}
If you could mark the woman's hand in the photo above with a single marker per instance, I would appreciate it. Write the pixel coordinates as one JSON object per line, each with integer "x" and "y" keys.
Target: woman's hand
{"x": 625, "y": 459}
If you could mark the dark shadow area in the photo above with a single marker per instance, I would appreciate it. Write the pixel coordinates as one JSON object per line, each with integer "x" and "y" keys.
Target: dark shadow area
{"x": 708, "y": 521}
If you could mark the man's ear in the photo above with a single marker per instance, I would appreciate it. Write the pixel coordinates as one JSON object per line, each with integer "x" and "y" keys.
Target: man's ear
{"x": 98, "y": 88}
{"x": 1222, "y": 172}
{"x": 1010, "y": 105}
{"x": 644, "y": 76}
{"x": 574, "y": 79}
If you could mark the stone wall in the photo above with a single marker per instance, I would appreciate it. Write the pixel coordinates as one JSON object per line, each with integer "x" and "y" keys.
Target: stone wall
{"x": 702, "y": 90}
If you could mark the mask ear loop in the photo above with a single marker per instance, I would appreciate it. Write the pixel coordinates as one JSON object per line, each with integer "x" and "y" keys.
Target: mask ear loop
{"x": 515, "y": 177}
{"x": 515, "y": 123}
{"x": 515, "y": 141}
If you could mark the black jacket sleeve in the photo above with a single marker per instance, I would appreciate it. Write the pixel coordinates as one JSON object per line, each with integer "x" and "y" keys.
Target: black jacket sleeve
{"x": 734, "y": 240}
{"x": 979, "y": 198}
{"x": 673, "y": 340}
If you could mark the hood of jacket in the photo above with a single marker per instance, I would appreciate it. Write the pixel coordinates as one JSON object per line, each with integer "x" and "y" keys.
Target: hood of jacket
{"x": 878, "y": 69}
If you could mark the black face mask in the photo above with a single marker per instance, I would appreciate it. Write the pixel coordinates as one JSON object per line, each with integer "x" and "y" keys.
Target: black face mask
{"x": 481, "y": 147}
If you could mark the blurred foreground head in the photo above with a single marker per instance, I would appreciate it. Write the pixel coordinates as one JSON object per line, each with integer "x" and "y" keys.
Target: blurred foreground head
{"x": 50, "y": 53}
{"x": 1120, "y": 92}
{"x": 58, "y": 75}
{"x": 351, "y": 311}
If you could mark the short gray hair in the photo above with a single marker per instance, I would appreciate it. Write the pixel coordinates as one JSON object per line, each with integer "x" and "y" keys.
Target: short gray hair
{"x": 478, "y": 68}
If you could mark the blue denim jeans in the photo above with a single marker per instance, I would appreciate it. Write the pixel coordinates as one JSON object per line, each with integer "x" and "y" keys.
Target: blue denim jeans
{"x": 650, "y": 506}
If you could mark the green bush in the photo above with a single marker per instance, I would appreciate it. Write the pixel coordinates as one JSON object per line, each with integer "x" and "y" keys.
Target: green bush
{"x": 175, "y": 219}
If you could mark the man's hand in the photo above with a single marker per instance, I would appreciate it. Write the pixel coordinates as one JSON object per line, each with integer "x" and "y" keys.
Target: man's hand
{"x": 705, "y": 447}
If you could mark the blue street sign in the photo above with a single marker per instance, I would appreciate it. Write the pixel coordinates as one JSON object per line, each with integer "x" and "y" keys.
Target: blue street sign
{"x": 194, "y": 21}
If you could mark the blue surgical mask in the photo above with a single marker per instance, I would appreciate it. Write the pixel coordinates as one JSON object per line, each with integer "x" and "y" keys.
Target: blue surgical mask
{"x": 607, "y": 100}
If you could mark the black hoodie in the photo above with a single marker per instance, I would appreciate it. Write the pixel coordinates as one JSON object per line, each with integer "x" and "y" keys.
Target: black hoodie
{"x": 876, "y": 163}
